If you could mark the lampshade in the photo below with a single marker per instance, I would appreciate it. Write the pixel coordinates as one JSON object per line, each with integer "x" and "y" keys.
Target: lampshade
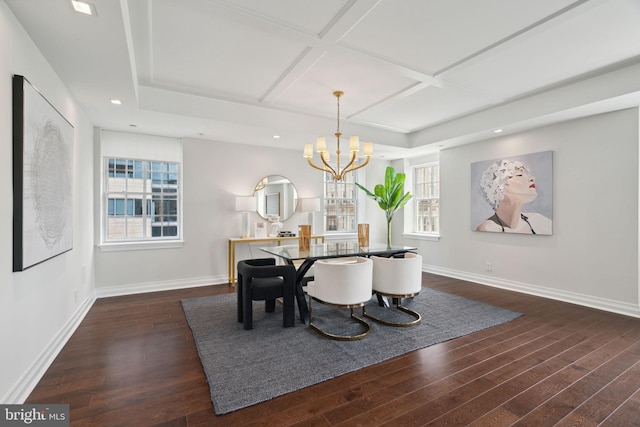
{"x": 310, "y": 204}
{"x": 245, "y": 203}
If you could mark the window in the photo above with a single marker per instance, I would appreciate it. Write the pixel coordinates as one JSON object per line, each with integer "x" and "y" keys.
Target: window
{"x": 426, "y": 193}
{"x": 340, "y": 203}
{"x": 142, "y": 199}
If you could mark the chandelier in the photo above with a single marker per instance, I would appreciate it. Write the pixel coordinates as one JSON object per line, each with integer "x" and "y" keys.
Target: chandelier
{"x": 354, "y": 146}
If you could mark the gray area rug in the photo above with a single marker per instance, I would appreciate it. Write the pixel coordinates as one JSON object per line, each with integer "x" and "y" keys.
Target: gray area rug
{"x": 248, "y": 367}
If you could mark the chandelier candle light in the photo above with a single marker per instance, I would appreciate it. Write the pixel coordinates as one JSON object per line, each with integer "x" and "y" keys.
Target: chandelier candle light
{"x": 354, "y": 146}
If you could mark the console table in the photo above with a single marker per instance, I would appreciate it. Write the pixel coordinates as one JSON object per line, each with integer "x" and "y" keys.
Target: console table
{"x": 233, "y": 241}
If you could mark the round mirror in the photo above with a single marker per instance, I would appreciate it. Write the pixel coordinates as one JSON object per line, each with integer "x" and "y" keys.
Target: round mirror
{"x": 275, "y": 196}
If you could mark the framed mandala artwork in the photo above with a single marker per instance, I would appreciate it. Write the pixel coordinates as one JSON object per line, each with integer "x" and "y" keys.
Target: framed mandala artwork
{"x": 42, "y": 178}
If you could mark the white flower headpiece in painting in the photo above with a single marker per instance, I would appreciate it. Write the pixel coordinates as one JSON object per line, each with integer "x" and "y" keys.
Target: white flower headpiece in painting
{"x": 496, "y": 177}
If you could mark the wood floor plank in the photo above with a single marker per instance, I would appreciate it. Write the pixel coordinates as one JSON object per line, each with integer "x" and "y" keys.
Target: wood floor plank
{"x": 560, "y": 405}
{"x": 626, "y": 414}
{"x": 133, "y": 362}
{"x": 499, "y": 417}
{"x": 590, "y": 353}
{"x": 598, "y": 407}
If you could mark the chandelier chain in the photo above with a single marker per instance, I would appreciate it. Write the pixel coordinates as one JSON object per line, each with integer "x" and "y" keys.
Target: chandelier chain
{"x": 338, "y": 118}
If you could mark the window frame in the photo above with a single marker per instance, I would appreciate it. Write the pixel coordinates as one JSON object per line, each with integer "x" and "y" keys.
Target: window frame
{"x": 147, "y": 196}
{"x": 411, "y": 210}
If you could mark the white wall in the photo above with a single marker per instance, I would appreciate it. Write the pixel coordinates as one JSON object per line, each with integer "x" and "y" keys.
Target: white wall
{"x": 214, "y": 173}
{"x": 592, "y": 256}
{"x": 40, "y": 306}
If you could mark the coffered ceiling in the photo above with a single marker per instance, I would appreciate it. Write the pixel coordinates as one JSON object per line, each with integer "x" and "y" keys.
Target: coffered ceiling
{"x": 418, "y": 75}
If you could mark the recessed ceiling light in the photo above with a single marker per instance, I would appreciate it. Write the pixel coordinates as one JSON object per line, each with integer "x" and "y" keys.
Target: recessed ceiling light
{"x": 497, "y": 131}
{"x": 276, "y": 136}
{"x": 83, "y": 7}
{"x": 116, "y": 102}
{"x": 133, "y": 126}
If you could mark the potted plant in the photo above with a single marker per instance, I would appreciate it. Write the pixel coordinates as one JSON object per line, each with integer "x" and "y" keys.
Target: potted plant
{"x": 390, "y": 196}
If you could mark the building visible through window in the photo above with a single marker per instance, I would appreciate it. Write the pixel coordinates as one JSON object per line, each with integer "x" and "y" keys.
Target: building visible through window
{"x": 142, "y": 199}
{"x": 427, "y": 198}
{"x": 340, "y": 198}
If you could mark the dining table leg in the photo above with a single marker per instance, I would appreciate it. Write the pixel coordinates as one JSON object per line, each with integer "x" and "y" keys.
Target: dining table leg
{"x": 300, "y": 295}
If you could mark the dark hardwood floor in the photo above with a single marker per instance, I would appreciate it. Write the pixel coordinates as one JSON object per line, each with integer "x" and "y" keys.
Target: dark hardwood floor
{"x": 133, "y": 362}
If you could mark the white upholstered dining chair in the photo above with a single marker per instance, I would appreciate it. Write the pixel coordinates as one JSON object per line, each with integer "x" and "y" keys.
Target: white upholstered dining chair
{"x": 398, "y": 278}
{"x": 344, "y": 283}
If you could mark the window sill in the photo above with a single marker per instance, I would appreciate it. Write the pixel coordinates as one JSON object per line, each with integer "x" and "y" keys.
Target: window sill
{"x": 140, "y": 246}
{"x": 422, "y": 236}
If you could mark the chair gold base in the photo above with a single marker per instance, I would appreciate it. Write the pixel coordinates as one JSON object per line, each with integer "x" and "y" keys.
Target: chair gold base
{"x": 417, "y": 317}
{"x": 341, "y": 337}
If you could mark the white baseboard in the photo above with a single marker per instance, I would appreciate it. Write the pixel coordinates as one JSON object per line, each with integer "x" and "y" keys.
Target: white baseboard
{"x": 605, "y": 304}
{"x": 28, "y": 381}
{"x": 168, "y": 285}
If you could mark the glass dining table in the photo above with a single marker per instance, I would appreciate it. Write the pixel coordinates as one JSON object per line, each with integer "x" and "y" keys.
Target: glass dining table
{"x": 292, "y": 255}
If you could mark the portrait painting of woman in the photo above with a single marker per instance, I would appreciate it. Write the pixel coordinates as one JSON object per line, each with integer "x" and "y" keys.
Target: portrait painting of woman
{"x": 513, "y": 195}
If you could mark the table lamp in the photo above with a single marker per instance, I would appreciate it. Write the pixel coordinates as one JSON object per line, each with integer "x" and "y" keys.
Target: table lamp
{"x": 311, "y": 205}
{"x": 245, "y": 204}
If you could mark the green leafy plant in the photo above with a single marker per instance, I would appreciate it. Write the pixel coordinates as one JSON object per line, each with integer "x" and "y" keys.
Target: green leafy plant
{"x": 390, "y": 196}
